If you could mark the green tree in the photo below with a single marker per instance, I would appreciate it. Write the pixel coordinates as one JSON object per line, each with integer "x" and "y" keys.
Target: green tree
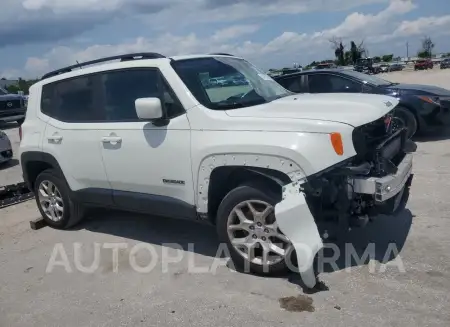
{"x": 427, "y": 48}
{"x": 376, "y": 59}
{"x": 356, "y": 54}
{"x": 387, "y": 58}
{"x": 423, "y": 54}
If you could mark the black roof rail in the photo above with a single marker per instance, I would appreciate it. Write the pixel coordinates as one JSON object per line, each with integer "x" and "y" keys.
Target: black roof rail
{"x": 124, "y": 57}
{"x": 221, "y": 54}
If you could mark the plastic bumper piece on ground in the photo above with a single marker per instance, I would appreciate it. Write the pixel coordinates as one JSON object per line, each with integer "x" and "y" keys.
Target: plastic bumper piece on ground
{"x": 296, "y": 222}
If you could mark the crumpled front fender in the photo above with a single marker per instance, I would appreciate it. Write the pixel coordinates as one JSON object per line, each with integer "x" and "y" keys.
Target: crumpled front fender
{"x": 296, "y": 222}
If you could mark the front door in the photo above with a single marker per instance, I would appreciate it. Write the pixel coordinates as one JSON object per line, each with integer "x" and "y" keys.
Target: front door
{"x": 148, "y": 166}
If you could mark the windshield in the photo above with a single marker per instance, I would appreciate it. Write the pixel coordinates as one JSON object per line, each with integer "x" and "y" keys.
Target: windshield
{"x": 368, "y": 78}
{"x": 3, "y": 91}
{"x": 227, "y": 83}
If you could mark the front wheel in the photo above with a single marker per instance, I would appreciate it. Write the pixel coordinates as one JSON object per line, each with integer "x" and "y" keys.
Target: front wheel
{"x": 246, "y": 223}
{"x": 408, "y": 120}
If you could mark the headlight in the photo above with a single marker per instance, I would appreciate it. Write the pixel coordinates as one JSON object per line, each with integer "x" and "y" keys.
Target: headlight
{"x": 430, "y": 99}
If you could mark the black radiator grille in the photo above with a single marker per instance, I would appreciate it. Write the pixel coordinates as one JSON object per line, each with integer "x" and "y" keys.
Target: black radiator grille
{"x": 10, "y": 104}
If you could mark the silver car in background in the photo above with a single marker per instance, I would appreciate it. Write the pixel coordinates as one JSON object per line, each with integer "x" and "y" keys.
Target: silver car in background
{"x": 6, "y": 152}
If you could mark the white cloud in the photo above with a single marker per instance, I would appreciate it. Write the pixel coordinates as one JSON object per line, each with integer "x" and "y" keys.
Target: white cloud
{"x": 288, "y": 47}
{"x": 360, "y": 25}
{"x": 233, "y": 32}
{"x": 27, "y": 21}
{"x": 424, "y": 25}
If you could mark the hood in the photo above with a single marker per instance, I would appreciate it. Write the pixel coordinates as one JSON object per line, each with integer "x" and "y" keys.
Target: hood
{"x": 347, "y": 108}
{"x": 435, "y": 90}
{"x": 6, "y": 97}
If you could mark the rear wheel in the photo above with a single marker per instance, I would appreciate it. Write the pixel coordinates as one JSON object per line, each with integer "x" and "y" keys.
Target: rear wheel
{"x": 408, "y": 120}
{"x": 246, "y": 223}
{"x": 53, "y": 200}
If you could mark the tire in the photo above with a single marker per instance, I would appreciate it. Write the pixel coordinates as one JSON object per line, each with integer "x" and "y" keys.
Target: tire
{"x": 72, "y": 212}
{"x": 20, "y": 121}
{"x": 408, "y": 119}
{"x": 234, "y": 199}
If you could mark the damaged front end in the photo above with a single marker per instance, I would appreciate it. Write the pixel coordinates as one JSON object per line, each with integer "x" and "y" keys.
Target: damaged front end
{"x": 351, "y": 194}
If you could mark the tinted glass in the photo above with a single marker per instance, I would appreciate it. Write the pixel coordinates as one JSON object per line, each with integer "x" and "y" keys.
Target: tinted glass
{"x": 367, "y": 78}
{"x": 292, "y": 84}
{"x": 122, "y": 88}
{"x": 108, "y": 96}
{"x": 324, "y": 83}
{"x": 72, "y": 100}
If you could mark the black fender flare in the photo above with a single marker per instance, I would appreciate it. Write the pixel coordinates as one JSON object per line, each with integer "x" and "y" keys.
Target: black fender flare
{"x": 44, "y": 159}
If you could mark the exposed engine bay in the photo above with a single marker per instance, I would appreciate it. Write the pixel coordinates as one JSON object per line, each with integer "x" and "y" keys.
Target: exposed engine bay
{"x": 375, "y": 181}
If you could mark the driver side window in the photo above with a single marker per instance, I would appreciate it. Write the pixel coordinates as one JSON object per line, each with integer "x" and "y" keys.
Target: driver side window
{"x": 325, "y": 83}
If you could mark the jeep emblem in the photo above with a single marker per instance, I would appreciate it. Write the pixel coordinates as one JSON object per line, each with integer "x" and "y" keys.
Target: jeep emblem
{"x": 9, "y": 104}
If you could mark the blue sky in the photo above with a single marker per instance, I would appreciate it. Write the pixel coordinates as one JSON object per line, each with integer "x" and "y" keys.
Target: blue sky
{"x": 40, "y": 35}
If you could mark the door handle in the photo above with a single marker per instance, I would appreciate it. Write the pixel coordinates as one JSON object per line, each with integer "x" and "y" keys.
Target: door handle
{"x": 111, "y": 139}
{"x": 55, "y": 138}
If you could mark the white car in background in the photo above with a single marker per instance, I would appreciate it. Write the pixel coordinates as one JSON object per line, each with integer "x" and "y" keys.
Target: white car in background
{"x": 6, "y": 152}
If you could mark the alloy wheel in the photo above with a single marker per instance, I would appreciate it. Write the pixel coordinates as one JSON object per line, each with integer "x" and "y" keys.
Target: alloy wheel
{"x": 254, "y": 233}
{"x": 50, "y": 200}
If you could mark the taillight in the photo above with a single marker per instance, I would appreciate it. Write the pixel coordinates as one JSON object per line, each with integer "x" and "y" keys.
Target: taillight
{"x": 20, "y": 132}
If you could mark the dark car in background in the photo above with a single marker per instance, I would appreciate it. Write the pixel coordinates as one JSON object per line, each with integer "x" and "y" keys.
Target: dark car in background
{"x": 422, "y": 107}
{"x": 445, "y": 63}
{"x": 12, "y": 107}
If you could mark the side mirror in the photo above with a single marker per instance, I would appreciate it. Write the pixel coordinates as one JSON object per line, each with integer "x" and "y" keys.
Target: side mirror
{"x": 149, "y": 108}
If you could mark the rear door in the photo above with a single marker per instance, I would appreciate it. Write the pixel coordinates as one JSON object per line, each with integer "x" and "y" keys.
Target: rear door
{"x": 72, "y": 137}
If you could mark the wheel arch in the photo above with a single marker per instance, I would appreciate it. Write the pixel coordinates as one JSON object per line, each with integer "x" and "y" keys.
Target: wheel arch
{"x": 408, "y": 106}
{"x": 34, "y": 162}
{"x": 219, "y": 174}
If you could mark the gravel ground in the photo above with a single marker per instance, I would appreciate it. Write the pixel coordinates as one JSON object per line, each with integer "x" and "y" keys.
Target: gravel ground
{"x": 176, "y": 296}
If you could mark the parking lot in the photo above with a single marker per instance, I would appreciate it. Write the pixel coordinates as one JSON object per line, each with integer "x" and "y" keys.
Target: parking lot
{"x": 413, "y": 290}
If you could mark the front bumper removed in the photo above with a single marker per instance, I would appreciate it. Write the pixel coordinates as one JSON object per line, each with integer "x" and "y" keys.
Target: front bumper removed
{"x": 384, "y": 188}
{"x": 296, "y": 221}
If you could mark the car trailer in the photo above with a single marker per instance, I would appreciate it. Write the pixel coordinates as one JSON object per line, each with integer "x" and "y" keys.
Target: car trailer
{"x": 14, "y": 193}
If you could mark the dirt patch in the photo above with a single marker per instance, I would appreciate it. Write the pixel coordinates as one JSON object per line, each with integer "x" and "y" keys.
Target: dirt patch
{"x": 297, "y": 304}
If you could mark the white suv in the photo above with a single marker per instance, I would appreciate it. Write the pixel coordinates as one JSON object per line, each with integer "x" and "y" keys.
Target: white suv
{"x": 273, "y": 170}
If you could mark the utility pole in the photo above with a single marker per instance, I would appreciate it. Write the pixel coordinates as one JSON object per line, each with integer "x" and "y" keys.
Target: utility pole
{"x": 407, "y": 50}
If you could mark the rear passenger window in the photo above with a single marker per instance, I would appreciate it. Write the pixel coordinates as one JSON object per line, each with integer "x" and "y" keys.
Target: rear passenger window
{"x": 72, "y": 100}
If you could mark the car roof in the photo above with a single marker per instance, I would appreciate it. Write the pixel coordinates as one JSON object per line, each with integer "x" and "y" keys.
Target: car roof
{"x": 103, "y": 64}
{"x": 312, "y": 71}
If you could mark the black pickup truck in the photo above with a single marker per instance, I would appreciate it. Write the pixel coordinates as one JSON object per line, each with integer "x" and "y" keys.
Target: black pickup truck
{"x": 12, "y": 107}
